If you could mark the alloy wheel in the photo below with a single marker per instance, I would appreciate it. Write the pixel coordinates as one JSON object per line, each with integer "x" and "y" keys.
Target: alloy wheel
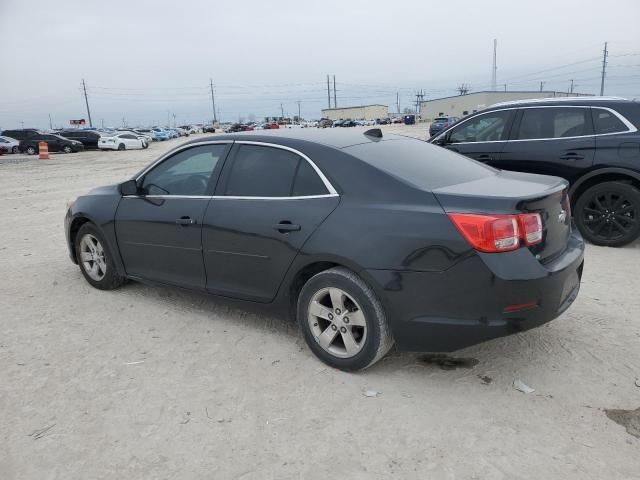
{"x": 337, "y": 322}
{"x": 92, "y": 257}
{"x": 609, "y": 215}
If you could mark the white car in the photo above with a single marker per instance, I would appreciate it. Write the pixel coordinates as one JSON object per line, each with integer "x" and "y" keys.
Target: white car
{"x": 120, "y": 141}
{"x": 11, "y": 144}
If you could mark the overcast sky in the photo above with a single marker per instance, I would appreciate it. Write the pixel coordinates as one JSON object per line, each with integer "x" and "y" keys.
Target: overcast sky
{"x": 145, "y": 60}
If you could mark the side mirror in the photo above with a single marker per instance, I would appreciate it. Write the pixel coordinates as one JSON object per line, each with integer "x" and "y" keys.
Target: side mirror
{"x": 130, "y": 187}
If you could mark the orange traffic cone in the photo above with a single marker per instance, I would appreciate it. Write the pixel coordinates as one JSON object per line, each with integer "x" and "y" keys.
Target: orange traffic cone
{"x": 43, "y": 148}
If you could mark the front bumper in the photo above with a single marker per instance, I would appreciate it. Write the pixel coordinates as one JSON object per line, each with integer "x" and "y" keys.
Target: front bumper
{"x": 469, "y": 303}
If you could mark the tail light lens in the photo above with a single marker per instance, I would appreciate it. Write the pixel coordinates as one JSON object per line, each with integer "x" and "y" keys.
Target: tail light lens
{"x": 488, "y": 233}
{"x": 498, "y": 233}
{"x": 531, "y": 225}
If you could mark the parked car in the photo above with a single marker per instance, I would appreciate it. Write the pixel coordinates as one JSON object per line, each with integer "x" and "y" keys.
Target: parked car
{"x": 22, "y": 133}
{"x": 160, "y": 135}
{"x": 338, "y": 123}
{"x": 11, "y": 145}
{"x": 383, "y": 121}
{"x": 440, "y": 123}
{"x": 396, "y": 120}
{"x": 208, "y": 129}
{"x": 146, "y": 139}
{"x": 431, "y": 250}
{"x": 349, "y": 123}
{"x": 88, "y": 138}
{"x": 238, "y": 127}
{"x": 121, "y": 141}
{"x": 325, "y": 123}
{"x": 409, "y": 119}
{"x": 593, "y": 142}
{"x": 55, "y": 143}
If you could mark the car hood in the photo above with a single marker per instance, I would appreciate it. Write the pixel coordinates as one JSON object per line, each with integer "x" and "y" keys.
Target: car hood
{"x": 104, "y": 190}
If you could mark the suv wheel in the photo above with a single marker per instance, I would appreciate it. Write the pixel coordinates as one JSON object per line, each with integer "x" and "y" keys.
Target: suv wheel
{"x": 67, "y": 149}
{"x": 608, "y": 214}
{"x": 121, "y": 146}
{"x": 343, "y": 322}
{"x": 15, "y": 149}
{"x": 31, "y": 150}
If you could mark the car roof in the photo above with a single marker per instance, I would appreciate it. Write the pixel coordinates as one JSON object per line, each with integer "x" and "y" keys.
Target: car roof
{"x": 578, "y": 101}
{"x": 335, "y": 138}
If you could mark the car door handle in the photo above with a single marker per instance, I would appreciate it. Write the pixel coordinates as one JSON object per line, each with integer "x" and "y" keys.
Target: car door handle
{"x": 572, "y": 156}
{"x": 286, "y": 226}
{"x": 186, "y": 221}
{"x": 484, "y": 157}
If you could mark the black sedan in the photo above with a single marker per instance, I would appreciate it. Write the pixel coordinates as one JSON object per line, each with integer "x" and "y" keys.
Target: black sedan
{"x": 366, "y": 240}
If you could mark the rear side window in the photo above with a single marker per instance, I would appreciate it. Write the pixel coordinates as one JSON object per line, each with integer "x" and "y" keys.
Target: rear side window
{"x": 307, "y": 181}
{"x": 259, "y": 171}
{"x": 420, "y": 164}
{"x": 560, "y": 122}
{"x": 605, "y": 121}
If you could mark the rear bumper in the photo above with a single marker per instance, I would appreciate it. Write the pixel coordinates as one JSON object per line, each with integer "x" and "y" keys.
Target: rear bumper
{"x": 469, "y": 303}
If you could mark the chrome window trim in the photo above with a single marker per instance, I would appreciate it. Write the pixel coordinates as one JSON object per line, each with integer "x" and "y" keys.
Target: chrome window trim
{"x": 631, "y": 127}
{"x": 332, "y": 191}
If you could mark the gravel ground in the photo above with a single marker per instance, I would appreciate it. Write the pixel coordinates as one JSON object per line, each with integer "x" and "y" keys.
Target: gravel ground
{"x": 157, "y": 383}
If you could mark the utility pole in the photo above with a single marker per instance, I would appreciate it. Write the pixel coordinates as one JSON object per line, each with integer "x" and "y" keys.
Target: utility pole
{"x": 541, "y": 85}
{"x": 281, "y": 112}
{"x": 335, "y": 101}
{"x": 571, "y": 87}
{"x": 50, "y": 123}
{"x": 328, "y": 92}
{"x": 168, "y": 121}
{"x": 213, "y": 101}
{"x": 605, "y": 54}
{"x": 398, "y": 101}
{"x": 494, "y": 69}
{"x": 505, "y": 87}
{"x": 124, "y": 123}
{"x": 102, "y": 122}
{"x": 86, "y": 100}
{"x": 298, "y": 111}
{"x": 174, "y": 121}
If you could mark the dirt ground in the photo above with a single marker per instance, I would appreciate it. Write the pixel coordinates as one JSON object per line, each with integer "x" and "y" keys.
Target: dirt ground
{"x": 156, "y": 383}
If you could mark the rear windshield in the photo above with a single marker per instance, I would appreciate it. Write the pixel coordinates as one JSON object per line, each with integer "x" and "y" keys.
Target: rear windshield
{"x": 440, "y": 119}
{"x": 419, "y": 163}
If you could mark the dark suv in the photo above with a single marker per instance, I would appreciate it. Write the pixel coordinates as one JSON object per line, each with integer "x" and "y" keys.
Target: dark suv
{"x": 88, "y": 138}
{"x": 593, "y": 142}
{"x": 22, "y": 133}
{"x": 55, "y": 143}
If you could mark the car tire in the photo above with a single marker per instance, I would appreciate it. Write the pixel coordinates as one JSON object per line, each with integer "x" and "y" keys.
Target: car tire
{"x": 122, "y": 146}
{"x": 67, "y": 149}
{"x": 31, "y": 150}
{"x": 608, "y": 214}
{"x": 15, "y": 149}
{"x": 95, "y": 260}
{"x": 325, "y": 304}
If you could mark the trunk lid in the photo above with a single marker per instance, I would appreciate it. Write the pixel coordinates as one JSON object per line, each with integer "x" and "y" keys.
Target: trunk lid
{"x": 514, "y": 193}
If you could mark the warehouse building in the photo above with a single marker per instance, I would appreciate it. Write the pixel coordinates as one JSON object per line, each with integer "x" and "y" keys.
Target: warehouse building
{"x": 366, "y": 112}
{"x": 461, "y": 105}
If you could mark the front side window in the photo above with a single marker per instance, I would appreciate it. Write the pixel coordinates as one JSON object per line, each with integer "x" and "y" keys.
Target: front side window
{"x": 561, "y": 122}
{"x": 488, "y": 127}
{"x": 605, "y": 121}
{"x": 259, "y": 171}
{"x": 188, "y": 172}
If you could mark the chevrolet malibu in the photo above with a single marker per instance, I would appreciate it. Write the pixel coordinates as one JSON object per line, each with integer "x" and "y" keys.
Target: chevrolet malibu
{"x": 367, "y": 240}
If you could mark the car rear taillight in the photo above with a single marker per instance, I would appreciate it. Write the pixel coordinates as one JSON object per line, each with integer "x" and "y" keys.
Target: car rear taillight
{"x": 531, "y": 226}
{"x": 488, "y": 233}
{"x": 498, "y": 233}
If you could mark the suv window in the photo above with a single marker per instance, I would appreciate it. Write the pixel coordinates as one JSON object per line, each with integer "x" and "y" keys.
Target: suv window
{"x": 487, "y": 127}
{"x": 605, "y": 121}
{"x": 271, "y": 172}
{"x": 560, "y": 122}
{"x": 188, "y": 172}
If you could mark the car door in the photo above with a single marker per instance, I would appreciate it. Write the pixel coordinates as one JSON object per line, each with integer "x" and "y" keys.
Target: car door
{"x": 130, "y": 141}
{"x": 550, "y": 140}
{"x": 159, "y": 230}
{"x": 270, "y": 199}
{"x": 53, "y": 142}
{"x": 481, "y": 137}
